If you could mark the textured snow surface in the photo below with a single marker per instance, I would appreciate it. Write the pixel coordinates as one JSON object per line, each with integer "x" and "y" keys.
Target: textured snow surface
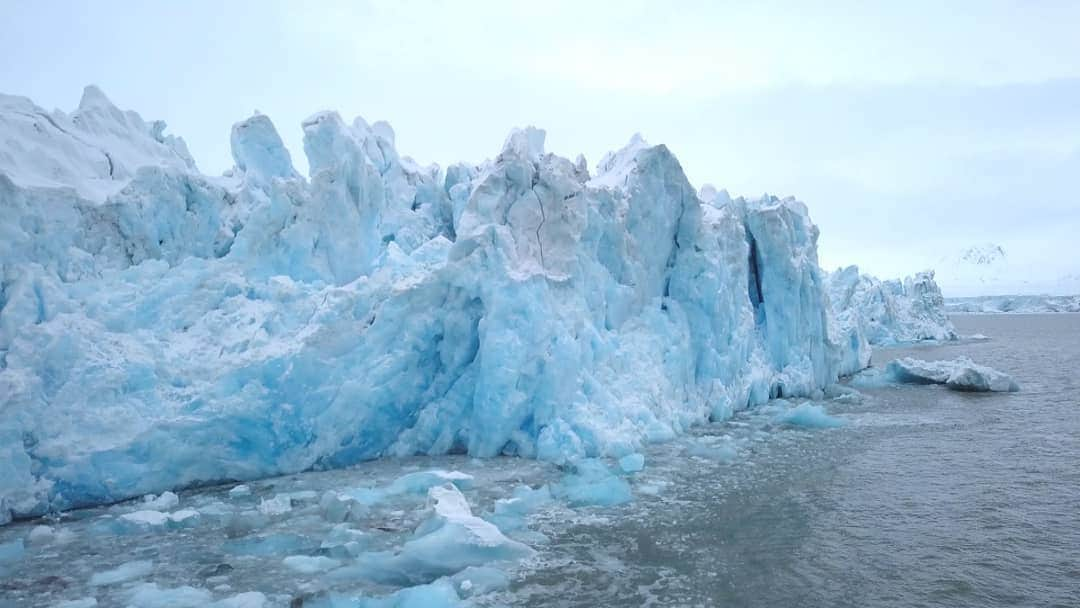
{"x": 160, "y": 328}
{"x": 959, "y": 374}
{"x": 887, "y": 312}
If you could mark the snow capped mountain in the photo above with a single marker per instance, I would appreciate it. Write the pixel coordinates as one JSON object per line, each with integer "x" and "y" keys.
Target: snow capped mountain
{"x": 985, "y": 255}
{"x": 987, "y": 270}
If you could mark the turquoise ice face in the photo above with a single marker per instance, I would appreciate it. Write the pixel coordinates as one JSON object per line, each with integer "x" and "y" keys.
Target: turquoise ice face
{"x": 160, "y": 328}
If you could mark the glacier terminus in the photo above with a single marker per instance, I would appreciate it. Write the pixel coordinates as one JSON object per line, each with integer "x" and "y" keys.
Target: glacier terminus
{"x": 161, "y": 328}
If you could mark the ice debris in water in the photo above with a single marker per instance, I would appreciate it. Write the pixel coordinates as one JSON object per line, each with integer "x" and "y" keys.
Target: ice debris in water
{"x": 310, "y": 564}
{"x": 151, "y": 518}
{"x": 86, "y": 602}
{"x": 592, "y": 483}
{"x": 12, "y": 551}
{"x": 720, "y": 451}
{"x": 439, "y": 594}
{"x": 271, "y": 544}
{"x": 275, "y": 506}
{"x": 479, "y": 580}
{"x": 339, "y": 506}
{"x": 40, "y": 535}
{"x": 123, "y": 573}
{"x": 152, "y": 595}
{"x": 632, "y": 463}
{"x": 167, "y": 500}
{"x": 451, "y": 540}
{"x": 960, "y": 374}
{"x": 809, "y": 415}
{"x": 249, "y": 599}
{"x": 160, "y": 328}
{"x": 509, "y": 513}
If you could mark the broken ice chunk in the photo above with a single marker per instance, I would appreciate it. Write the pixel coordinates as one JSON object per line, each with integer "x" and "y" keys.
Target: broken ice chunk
{"x": 12, "y": 551}
{"x": 632, "y": 463}
{"x": 146, "y": 517}
{"x": 960, "y": 374}
{"x": 123, "y": 573}
{"x": 150, "y": 595}
{"x": 166, "y": 501}
{"x": 593, "y": 484}
{"x": 478, "y": 580}
{"x": 808, "y": 415}
{"x": 310, "y": 564}
{"x": 450, "y": 541}
{"x": 278, "y": 505}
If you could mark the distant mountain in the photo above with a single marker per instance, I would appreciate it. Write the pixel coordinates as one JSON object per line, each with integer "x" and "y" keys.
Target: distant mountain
{"x": 988, "y": 255}
{"x": 987, "y": 270}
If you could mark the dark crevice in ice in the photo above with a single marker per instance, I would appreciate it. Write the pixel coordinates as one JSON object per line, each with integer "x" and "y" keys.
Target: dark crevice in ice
{"x": 757, "y": 298}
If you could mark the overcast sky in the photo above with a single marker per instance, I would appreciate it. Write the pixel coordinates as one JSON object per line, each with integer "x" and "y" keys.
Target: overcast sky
{"x": 911, "y": 129}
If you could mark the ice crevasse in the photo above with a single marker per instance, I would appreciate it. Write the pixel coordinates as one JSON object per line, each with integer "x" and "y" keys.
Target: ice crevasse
{"x": 161, "y": 328}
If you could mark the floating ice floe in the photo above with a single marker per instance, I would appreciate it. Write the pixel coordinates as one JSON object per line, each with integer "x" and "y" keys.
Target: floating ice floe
{"x": 165, "y": 501}
{"x": 592, "y": 483}
{"x": 310, "y": 564}
{"x": 12, "y": 551}
{"x": 123, "y": 573}
{"x": 85, "y": 602}
{"x": 451, "y": 540}
{"x": 960, "y": 374}
{"x": 809, "y": 415}
{"x": 438, "y": 594}
{"x": 632, "y": 463}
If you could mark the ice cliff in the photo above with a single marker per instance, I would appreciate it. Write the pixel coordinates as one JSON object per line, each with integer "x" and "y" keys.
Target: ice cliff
{"x": 889, "y": 312}
{"x": 161, "y": 328}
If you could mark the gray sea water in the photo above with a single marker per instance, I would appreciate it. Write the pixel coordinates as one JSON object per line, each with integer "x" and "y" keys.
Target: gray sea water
{"x": 925, "y": 497}
{"x": 928, "y": 497}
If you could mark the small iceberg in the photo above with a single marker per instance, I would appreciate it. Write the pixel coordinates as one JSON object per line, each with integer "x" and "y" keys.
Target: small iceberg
{"x": 593, "y": 484}
{"x": 960, "y": 374}
{"x": 810, "y": 416}
{"x": 451, "y": 540}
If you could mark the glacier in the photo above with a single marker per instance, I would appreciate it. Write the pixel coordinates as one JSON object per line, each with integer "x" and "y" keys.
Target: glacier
{"x": 161, "y": 328}
{"x": 891, "y": 312}
{"x": 1013, "y": 304}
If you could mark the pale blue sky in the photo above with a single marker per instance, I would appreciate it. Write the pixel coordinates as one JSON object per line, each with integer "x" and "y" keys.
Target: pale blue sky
{"x": 910, "y": 129}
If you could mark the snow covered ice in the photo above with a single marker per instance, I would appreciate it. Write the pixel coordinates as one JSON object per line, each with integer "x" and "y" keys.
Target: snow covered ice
{"x": 160, "y": 328}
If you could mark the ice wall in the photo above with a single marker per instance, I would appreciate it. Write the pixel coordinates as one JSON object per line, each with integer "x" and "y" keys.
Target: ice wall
{"x": 161, "y": 328}
{"x": 889, "y": 312}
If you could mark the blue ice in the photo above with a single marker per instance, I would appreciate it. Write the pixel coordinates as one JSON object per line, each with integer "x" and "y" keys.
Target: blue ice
{"x": 592, "y": 483}
{"x": 809, "y": 415}
{"x": 161, "y": 328}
